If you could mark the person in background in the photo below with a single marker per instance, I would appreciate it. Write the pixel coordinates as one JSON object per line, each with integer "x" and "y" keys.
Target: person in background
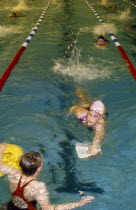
{"x": 26, "y": 189}
{"x": 101, "y": 42}
{"x": 15, "y": 14}
{"x": 113, "y": 7}
{"x": 91, "y": 115}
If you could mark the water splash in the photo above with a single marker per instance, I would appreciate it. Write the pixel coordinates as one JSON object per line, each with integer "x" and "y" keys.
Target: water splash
{"x": 21, "y": 6}
{"x": 80, "y": 71}
{"x": 125, "y": 15}
{"x": 105, "y": 28}
{"x": 5, "y": 31}
{"x": 85, "y": 29}
{"x": 105, "y": 3}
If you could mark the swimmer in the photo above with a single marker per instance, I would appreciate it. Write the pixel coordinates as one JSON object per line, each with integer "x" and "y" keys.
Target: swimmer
{"x": 91, "y": 115}
{"x": 133, "y": 27}
{"x": 101, "y": 42}
{"x": 113, "y": 7}
{"x": 14, "y": 14}
{"x": 26, "y": 189}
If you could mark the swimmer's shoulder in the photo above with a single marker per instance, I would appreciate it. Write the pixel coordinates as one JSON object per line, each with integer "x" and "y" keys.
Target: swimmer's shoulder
{"x": 96, "y": 45}
{"x": 15, "y": 14}
{"x": 101, "y": 47}
{"x": 10, "y": 171}
{"x": 78, "y": 111}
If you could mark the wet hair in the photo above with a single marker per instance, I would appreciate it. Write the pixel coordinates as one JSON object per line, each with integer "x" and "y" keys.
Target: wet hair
{"x": 113, "y": 6}
{"x": 30, "y": 162}
{"x": 101, "y": 37}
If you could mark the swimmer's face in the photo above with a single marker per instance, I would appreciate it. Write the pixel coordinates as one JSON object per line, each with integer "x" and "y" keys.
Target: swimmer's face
{"x": 101, "y": 42}
{"x": 92, "y": 118}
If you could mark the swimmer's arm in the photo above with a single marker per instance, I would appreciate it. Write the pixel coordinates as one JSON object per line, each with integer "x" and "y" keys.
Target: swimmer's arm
{"x": 42, "y": 197}
{"x": 95, "y": 146}
{"x": 78, "y": 111}
{"x": 67, "y": 206}
{"x": 99, "y": 134}
{"x": 75, "y": 109}
{"x": 2, "y": 149}
{"x": 84, "y": 98}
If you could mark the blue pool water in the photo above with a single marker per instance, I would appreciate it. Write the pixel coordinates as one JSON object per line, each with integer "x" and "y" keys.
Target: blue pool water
{"x": 35, "y": 99}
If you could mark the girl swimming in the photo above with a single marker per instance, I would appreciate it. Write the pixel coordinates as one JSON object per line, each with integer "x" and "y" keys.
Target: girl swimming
{"x": 92, "y": 115}
{"x": 101, "y": 42}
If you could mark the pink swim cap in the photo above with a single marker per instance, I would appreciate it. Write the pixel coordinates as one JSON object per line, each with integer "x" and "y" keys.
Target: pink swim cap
{"x": 98, "y": 106}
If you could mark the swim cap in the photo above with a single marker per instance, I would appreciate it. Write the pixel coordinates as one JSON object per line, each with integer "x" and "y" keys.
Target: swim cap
{"x": 98, "y": 106}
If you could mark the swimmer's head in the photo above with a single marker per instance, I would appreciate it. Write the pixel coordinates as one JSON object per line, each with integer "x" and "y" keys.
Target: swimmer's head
{"x": 96, "y": 112}
{"x": 30, "y": 162}
{"x": 98, "y": 107}
{"x": 101, "y": 37}
{"x": 101, "y": 41}
{"x": 113, "y": 6}
{"x": 12, "y": 15}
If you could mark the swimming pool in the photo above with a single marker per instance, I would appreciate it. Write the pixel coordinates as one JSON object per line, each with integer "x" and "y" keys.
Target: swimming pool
{"x": 35, "y": 99}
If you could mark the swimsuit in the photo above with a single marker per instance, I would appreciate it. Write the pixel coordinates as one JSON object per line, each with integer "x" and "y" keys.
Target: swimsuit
{"x": 83, "y": 118}
{"x": 11, "y": 206}
{"x": 19, "y": 192}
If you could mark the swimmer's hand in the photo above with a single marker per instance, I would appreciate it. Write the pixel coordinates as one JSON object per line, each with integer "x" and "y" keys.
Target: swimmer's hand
{"x": 94, "y": 150}
{"x": 87, "y": 199}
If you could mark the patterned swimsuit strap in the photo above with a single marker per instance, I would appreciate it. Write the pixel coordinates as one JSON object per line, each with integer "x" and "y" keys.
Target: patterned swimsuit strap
{"x": 19, "y": 192}
{"x": 83, "y": 118}
{"x": 19, "y": 183}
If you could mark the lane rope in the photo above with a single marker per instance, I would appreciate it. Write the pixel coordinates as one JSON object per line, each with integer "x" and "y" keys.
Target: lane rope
{"x": 130, "y": 3}
{"x": 21, "y": 50}
{"x": 117, "y": 44}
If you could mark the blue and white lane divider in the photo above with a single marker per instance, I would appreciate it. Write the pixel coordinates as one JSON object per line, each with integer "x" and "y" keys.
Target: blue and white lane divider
{"x": 117, "y": 44}
{"x": 21, "y": 50}
{"x": 130, "y": 3}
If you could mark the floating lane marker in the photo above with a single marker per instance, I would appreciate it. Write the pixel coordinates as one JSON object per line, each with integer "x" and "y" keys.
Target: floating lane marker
{"x": 21, "y": 50}
{"x": 130, "y": 3}
{"x": 117, "y": 44}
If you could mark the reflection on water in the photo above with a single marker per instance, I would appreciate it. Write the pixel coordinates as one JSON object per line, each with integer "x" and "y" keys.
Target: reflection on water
{"x": 71, "y": 183}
